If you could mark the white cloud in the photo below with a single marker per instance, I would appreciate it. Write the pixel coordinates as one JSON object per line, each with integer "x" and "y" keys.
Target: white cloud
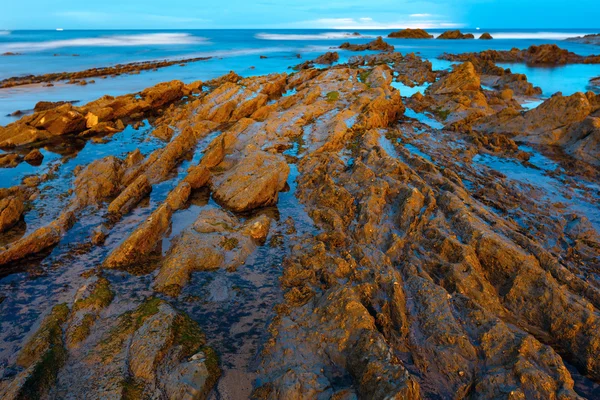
{"x": 369, "y": 23}
{"x": 420, "y": 15}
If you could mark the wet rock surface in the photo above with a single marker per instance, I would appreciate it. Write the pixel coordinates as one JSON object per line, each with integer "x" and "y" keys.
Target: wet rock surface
{"x": 312, "y": 235}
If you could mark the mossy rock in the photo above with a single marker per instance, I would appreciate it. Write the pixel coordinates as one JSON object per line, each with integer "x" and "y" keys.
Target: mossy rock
{"x": 80, "y": 332}
{"x": 188, "y": 335}
{"x": 48, "y": 335}
{"x": 332, "y": 96}
{"x": 100, "y": 297}
{"x": 230, "y": 243}
{"x": 46, "y": 353}
{"x": 132, "y": 390}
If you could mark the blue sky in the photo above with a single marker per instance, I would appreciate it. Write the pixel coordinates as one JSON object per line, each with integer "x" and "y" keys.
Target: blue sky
{"x": 342, "y": 14}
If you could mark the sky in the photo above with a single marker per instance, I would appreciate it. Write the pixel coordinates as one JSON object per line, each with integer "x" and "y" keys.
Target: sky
{"x": 297, "y": 14}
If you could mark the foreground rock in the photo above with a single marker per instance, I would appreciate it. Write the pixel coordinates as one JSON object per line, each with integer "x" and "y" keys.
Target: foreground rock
{"x": 410, "y": 34}
{"x": 546, "y": 54}
{"x": 419, "y": 250}
{"x": 216, "y": 240}
{"x": 255, "y": 181}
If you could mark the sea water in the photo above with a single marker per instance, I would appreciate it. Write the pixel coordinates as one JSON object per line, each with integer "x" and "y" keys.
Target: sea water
{"x": 43, "y": 52}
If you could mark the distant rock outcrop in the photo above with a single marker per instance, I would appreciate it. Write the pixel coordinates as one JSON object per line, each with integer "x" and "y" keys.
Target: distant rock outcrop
{"x": 456, "y": 34}
{"x": 410, "y": 34}
{"x": 545, "y": 54}
{"x": 377, "y": 44}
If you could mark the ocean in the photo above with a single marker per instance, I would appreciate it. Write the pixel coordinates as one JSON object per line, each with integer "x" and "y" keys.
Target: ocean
{"x": 238, "y": 50}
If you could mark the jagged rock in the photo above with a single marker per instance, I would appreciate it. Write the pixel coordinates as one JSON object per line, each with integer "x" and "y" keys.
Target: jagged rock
{"x": 47, "y": 105}
{"x": 131, "y": 196}
{"x": 163, "y": 93}
{"x": 462, "y": 78}
{"x": 9, "y": 160}
{"x": 98, "y": 181}
{"x": 39, "y": 240}
{"x": 255, "y": 181}
{"x": 582, "y": 140}
{"x": 545, "y": 123}
{"x": 34, "y": 157}
{"x": 163, "y": 132}
{"x": 143, "y": 242}
{"x": 410, "y": 34}
{"x": 328, "y": 58}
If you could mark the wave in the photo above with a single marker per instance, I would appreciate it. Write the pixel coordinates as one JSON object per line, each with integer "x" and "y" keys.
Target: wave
{"x": 108, "y": 41}
{"x": 5, "y": 32}
{"x": 538, "y": 35}
{"x": 315, "y": 36}
{"x": 261, "y": 51}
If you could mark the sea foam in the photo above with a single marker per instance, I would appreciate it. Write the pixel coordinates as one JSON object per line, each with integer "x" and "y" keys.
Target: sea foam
{"x": 108, "y": 41}
{"x": 315, "y": 36}
{"x": 537, "y": 35}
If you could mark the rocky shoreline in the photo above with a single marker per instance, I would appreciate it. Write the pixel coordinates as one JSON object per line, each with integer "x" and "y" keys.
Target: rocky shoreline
{"x": 79, "y": 78}
{"x": 309, "y": 235}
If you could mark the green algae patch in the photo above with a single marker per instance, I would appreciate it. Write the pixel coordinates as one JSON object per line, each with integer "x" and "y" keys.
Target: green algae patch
{"x": 132, "y": 390}
{"x": 127, "y": 324}
{"x": 332, "y": 96}
{"x": 48, "y": 335}
{"x": 364, "y": 75}
{"x": 44, "y": 373}
{"x": 188, "y": 335}
{"x": 47, "y": 351}
{"x": 212, "y": 365}
{"x": 83, "y": 329}
{"x": 229, "y": 243}
{"x": 100, "y": 297}
{"x": 443, "y": 114}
